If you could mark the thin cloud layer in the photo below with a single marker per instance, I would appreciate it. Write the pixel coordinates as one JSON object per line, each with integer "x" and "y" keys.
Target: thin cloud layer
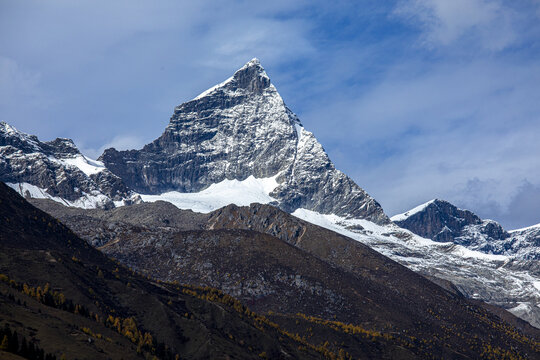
{"x": 486, "y": 24}
{"x": 415, "y": 99}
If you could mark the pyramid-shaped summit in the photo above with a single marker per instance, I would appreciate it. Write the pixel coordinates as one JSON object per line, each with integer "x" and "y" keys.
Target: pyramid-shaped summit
{"x": 237, "y": 129}
{"x": 251, "y": 77}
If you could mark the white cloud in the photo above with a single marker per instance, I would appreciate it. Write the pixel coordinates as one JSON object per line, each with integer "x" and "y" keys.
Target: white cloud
{"x": 436, "y": 132}
{"x": 268, "y": 39}
{"x": 486, "y": 24}
{"x": 16, "y": 81}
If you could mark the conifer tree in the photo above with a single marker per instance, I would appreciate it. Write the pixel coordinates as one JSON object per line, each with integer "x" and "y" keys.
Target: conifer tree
{"x": 24, "y": 348}
{"x": 14, "y": 343}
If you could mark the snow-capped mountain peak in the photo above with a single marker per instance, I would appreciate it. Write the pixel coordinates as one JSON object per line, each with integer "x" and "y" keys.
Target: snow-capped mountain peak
{"x": 238, "y": 143}
{"x": 441, "y": 221}
{"x": 237, "y": 129}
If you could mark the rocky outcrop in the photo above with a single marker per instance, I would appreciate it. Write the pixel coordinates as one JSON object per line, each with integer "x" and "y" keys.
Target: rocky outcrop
{"x": 56, "y": 169}
{"x": 525, "y": 244}
{"x": 437, "y": 220}
{"x": 441, "y": 221}
{"x": 236, "y": 129}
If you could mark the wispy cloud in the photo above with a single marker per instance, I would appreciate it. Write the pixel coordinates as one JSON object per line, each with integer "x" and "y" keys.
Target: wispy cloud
{"x": 119, "y": 142}
{"x": 455, "y": 120}
{"x": 486, "y": 24}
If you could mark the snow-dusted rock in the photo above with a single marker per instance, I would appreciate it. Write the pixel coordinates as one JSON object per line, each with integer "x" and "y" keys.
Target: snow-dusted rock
{"x": 505, "y": 271}
{"x": 443, "y": 222}
{"x": 56, "y": 170}
{"x": 239, "y": 143}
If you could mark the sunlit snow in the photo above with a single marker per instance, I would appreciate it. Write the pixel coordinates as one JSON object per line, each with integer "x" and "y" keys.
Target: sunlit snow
{"x": 525, "y": 228}
{"x": 407, "y": 214}
{"x": 241, "y": 193}
{"x": 86, "y": 165}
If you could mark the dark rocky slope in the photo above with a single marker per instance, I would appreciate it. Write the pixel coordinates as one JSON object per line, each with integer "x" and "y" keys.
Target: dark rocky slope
{"x": 276, "y": 262}
{"x": 60, "y": 294}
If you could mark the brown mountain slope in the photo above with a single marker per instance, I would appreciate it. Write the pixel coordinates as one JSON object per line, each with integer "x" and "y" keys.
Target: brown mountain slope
{"x": 68, "y": 298}
{"x": 297, "y": 266}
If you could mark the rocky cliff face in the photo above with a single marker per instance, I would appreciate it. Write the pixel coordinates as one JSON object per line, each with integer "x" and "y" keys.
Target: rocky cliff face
{"x": 56, "y": 169}
{"x": 239, "y": 128}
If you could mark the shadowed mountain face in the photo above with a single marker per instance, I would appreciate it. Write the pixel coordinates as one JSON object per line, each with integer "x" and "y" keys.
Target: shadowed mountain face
{"x": 275, "y": 262}
{"x": 242, "y": 128}
{"x": 437, "y": 220}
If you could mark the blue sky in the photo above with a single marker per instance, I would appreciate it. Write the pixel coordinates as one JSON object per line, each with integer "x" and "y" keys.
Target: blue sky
{"x": 414, "y": 99}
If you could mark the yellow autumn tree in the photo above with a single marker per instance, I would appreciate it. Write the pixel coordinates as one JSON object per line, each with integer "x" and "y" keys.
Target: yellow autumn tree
{"x": 5, "y": 343}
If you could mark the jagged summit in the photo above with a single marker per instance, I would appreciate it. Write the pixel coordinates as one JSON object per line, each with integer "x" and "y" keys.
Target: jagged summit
{"x": 255, "y": 61}
{"x": 252, "y": 77}
{"x": 10, "y": 136}
{"x": 59, "y": 147}
{"x": 415, "y": 210}
{"x": 442, "y": 221}
{"x": 237, "y": 129}
{"x": 436, "y": 219}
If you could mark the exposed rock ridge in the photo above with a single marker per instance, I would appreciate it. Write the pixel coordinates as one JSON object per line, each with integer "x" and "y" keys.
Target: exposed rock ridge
{"x": 56, "y": 169}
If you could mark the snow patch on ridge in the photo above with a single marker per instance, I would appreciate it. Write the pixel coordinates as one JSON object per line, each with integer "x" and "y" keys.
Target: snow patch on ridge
{"x": 408, "y": 214}
{"x": 213, "y": 88}
{"x": 351, "y": 228}
{"x": 86, "y": 165}
{"x": 241, "y": 193}
{"x": 86, "y": 201}
{"x": 299, "y": 130}
{"x": 525, "y": 228}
